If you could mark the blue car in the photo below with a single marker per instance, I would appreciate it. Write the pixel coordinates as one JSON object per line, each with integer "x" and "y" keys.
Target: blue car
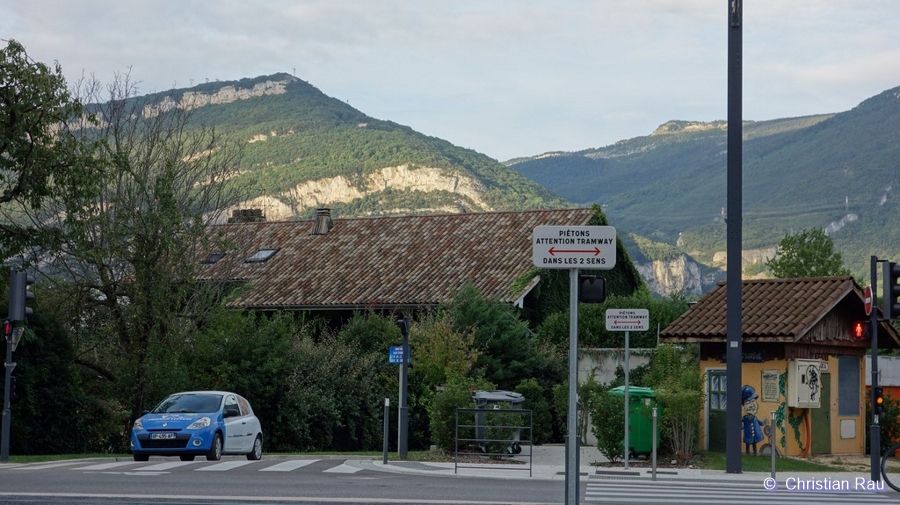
{"x": 198, "y": 423}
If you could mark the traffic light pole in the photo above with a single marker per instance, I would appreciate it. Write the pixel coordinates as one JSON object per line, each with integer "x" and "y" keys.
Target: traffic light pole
{"x": 19, "y": 295}
{"x": 8, "y": 366}
{"x": 874, "y": 429}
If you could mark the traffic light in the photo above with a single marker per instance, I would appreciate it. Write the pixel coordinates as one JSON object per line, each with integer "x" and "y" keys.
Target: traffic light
{"x": 20, "y": 295}
{"x": 404, "y": 327}
{"x": 7, "y": 330}
{"x": 878, "y": 398}
{"x": 860, "y": 330}
{"x": 591, "y": 289}
{"x": 891, "y": 290}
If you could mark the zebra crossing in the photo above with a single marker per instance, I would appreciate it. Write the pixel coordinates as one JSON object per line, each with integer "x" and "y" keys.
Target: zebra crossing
{"x": 337, "y": 466}
{"x": 676, "y": 493}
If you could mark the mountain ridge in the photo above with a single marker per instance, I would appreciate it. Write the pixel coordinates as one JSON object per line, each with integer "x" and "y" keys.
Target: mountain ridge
{"x": 835, "y": 171}
{"x": 305, "y": 150}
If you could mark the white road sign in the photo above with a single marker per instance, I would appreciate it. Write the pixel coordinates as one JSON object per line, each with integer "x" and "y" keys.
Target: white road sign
{"x": 627, "y": 319}
{"x": 583, "y": 247}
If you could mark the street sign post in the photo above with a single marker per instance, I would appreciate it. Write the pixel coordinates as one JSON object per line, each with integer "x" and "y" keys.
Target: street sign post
{"x": 573, "y": 247}
{"x": 627, "y": 320}
{"x": 585, "y": 247}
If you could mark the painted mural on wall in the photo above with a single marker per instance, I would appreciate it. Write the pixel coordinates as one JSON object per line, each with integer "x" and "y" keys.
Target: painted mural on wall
{"x": 750, "y": 425}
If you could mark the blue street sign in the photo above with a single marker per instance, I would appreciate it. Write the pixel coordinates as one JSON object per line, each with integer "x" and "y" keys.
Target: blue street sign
{"x": 395, "y": 356}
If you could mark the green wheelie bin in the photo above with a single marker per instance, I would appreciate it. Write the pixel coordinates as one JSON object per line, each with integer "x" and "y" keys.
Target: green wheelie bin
{"x": 640, "y": 418}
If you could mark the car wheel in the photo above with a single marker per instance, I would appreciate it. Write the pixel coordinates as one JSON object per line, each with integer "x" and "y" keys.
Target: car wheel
{"x": 187, "y": 457}
{"x": 142, "y": 457}
{"x": 215, "y": 451}
{"x": 256, "y": 453}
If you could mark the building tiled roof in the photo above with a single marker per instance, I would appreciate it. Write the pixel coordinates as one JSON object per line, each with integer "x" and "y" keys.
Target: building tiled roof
{"x": 383, "y": 261}
{"x": 773, "y": 310}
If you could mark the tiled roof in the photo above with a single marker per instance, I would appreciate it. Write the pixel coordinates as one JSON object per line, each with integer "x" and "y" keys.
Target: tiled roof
{"x": 383, "y": 261}
{"x": 774, "y": 310}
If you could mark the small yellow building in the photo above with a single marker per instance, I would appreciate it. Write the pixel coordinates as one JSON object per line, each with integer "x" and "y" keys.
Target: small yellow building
{"x": 801, "y": 360}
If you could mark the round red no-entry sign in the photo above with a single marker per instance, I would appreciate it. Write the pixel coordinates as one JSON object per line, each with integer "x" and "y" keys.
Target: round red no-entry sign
{"x": 867, "y": 299}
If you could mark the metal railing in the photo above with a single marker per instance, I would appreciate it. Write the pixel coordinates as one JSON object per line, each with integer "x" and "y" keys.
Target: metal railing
{"x": 500, "y": 437}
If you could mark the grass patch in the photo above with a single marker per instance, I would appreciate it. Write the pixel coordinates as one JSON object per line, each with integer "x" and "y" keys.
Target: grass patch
{"x": 716, "y": 461}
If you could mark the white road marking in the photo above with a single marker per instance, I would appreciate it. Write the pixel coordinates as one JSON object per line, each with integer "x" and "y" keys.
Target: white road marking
{"x": 104, "y": 466}
{"x": 287, "y": 466}
{"x": 48, "y": 465}
{"x": 164, "y": 466}
{"x": 224, "y": 467}
{"x": 342, "y": 468}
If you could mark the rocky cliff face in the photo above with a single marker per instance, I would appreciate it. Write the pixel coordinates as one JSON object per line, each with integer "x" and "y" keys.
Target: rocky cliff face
{"x": 680, "y": 274}
{"x": 328, "y": 191}
{"x": 225, "y": 94}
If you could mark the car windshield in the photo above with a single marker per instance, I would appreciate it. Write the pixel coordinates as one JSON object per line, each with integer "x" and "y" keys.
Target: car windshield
{"x": 189, "y": 403}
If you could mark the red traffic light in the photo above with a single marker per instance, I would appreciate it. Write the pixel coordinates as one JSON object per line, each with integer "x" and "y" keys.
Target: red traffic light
{"x": 7, "y": 329}
{"x": 860, "y": 330}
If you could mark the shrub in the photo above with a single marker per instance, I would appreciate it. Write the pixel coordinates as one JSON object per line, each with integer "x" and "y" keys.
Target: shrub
{"x": 456, "y": 393}
{"x": 608, "y": 419}
{"x": 680, "y": 419}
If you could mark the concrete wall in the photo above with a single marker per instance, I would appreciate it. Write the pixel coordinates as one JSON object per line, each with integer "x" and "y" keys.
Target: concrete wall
{"x": 601, "y": 364}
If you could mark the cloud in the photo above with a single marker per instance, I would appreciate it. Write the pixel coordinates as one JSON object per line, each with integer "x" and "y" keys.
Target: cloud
{"x": 505, "y": 77}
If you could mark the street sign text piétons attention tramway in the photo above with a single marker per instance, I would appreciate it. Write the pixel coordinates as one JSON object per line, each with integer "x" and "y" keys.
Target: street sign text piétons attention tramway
{"x": 582, "y": 247}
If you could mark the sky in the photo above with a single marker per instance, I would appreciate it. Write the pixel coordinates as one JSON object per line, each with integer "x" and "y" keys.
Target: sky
{"x": 507, "y": 78}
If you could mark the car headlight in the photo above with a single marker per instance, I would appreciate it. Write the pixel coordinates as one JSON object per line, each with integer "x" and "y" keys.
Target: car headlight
{"x": 203, "y": 422}
{"x": 138, "y": 425}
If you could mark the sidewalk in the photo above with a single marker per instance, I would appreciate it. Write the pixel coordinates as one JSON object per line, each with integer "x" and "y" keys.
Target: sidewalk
{"x": 548, "y": 463}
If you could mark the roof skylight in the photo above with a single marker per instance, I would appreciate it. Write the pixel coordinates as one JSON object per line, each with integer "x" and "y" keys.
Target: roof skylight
{"x": 261, "y": 255}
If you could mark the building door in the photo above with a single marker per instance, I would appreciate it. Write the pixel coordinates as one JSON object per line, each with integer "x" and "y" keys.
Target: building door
{"x": 820, "y": 419}
{"x": 716, "y": 402}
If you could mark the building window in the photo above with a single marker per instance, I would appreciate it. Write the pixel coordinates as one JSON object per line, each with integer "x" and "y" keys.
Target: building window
{"x": 717, "y": 391}
{"x": 213, "y": 258}
{"x": 848, "y": 385}
{"x": 261, "y": 255}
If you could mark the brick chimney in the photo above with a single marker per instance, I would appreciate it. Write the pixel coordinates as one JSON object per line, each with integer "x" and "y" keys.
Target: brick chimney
{"x": 323, "y": 224}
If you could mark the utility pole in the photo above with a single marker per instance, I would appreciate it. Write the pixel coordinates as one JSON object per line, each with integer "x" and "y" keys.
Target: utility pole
{"x": 734, "y": 281}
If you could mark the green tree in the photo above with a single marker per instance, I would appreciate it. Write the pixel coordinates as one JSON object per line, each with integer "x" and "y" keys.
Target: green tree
{"x": 508, "y": 350}
{"x": 42, "y": 160}
{"x": 592, "y": 330}
{"x": 437, "y": 350}
{"x": 809, "y": 253}
{"x": 331, "y": 402}
{"x": 128, "y": 264}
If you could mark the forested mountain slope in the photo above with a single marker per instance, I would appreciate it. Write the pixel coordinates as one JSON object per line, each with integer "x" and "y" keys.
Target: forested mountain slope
{"x": 303, "y": 149}
{"x": 833, "y": 171}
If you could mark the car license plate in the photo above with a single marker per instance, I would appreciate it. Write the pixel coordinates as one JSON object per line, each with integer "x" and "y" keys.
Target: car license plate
{"x": 162, "y": 436}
